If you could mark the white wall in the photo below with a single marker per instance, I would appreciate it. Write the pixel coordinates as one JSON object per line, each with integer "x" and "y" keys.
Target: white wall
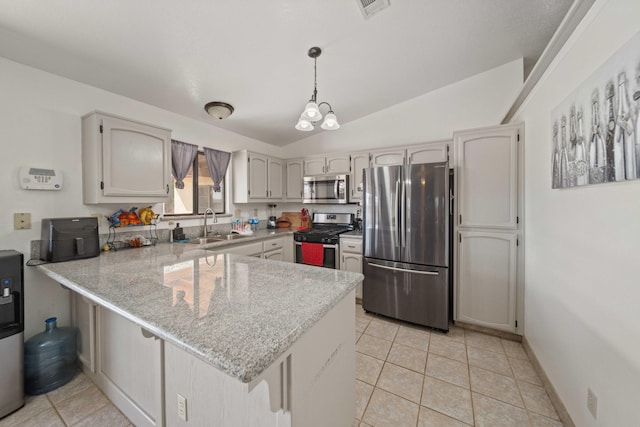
{"x": 479, "y": 101}
{"x": 40, "y": 126}
{"x": 582, "y": 269}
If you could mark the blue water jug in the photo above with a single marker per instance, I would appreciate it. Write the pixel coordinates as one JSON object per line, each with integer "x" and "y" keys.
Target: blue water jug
{"x": 50, "y": 358}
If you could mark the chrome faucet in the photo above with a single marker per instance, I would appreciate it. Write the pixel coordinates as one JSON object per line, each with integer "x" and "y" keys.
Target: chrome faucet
{"x": 214, "y": 219}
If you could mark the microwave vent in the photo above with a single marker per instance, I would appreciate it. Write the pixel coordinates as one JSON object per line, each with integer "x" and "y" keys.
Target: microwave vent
{"x": 371, "y": 7}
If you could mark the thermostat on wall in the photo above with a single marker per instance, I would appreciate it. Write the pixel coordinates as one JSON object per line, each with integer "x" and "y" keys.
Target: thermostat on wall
{"x": 40, "y": 179}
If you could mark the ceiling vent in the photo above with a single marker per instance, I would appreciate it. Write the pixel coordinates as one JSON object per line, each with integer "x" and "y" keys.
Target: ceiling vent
{"x": 371, "y": 7}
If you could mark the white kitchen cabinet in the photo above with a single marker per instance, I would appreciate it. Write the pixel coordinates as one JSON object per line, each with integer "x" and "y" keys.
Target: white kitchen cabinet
{"x": 487, "y": 279}
{"x": 390, "y": 157}
{"x": 124, "y": 161}
{"x": 256, "y": 177}
{"x": 488, "y": 195}
{"x": 294, "y": 181}
{"x": 351, "y": 257}
{"x": 130, "y": 368}
{"x": 273, "y": 249}
{"x": 83, "y": 317}
{"x": 250, "y": 249}
{"x": 487, "y": 176}
{"x": 274, "y": 178}
{"x": 335, "y": 164}
{"x": 428, "y": 153}
{"x": 359, "y": 162}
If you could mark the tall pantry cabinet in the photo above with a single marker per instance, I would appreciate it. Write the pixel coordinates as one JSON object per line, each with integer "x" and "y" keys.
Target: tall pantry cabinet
{"x": 488, "y": 227}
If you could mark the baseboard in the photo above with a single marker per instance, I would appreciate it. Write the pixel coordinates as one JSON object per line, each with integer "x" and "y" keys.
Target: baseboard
{"x": 551, "y": 391}
{"x": 496, "y": 333}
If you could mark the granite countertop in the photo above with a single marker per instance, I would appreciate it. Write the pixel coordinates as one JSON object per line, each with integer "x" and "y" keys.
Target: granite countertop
{"x": 353, "y": 233}
{"x": 236, "y": 313}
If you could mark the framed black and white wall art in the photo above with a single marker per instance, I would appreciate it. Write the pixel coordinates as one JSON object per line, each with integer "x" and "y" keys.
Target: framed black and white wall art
{"x": 596, "y": 129}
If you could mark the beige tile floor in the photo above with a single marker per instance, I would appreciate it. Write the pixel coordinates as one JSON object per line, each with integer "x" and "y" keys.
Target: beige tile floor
{"x": 405, "y": 376}
{"x": 77, "y": 403}
{"x": 411, "y": 376}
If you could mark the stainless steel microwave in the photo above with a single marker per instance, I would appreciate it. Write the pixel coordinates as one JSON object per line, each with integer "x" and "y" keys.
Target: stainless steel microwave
{"x": 328, "y": 189}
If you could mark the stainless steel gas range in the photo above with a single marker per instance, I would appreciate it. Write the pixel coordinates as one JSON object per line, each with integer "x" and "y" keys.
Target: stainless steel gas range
{"x": 319, "y": 244}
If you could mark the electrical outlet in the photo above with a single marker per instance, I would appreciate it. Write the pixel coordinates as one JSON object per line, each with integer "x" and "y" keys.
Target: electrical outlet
{"x": 592, "y": 403}
{"x": 182, "y": 407}
{"x": 21, "y": 221}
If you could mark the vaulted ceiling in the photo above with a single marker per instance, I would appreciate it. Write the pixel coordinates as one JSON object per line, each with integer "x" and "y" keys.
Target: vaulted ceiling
{"x": 179, "y": 55}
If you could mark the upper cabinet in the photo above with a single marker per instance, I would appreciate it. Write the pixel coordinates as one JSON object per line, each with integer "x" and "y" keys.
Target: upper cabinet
{"x": 359, "y": 162}
{"x": 124, "y": 161}
{"x": 487, "y": 176}
{"x": 324, "y": 165}
{"x": 428, "y": 153}
{"x": 294, "y": 175}
{"x": 256, "y": 177}
{"x": 390, "y": 157}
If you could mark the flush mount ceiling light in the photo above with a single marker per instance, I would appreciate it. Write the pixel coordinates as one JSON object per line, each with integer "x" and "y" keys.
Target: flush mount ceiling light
{"x": 311, "y": 113}
{"x": 219, "y": 110}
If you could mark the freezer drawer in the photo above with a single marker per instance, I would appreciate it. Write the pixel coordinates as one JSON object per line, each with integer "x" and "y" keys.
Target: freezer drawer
{"x": 413, "y": 293}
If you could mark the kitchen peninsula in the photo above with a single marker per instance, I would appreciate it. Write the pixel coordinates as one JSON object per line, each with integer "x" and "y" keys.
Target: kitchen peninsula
{"x": 177, "y": 335}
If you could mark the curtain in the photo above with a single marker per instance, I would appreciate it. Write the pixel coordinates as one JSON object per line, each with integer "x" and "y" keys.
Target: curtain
{"x": 182, "y": 156}
{"x": 218, "y": 162}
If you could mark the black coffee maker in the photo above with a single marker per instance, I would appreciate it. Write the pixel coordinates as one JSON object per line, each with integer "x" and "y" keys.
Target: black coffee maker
{"x": 271, "y": 222}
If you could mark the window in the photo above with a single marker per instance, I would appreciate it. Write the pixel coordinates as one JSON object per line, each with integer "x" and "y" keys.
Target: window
{"x": 197, "y": 194}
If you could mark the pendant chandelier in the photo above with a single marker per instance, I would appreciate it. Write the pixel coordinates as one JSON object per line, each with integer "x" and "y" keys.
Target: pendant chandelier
{"x": 311, "y": 113}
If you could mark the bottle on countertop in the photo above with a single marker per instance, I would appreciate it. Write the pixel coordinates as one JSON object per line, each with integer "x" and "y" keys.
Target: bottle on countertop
{"x": 178, "y": 233}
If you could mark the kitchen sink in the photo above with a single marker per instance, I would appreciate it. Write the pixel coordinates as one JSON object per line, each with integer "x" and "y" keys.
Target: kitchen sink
{"x": 215, "y": 238}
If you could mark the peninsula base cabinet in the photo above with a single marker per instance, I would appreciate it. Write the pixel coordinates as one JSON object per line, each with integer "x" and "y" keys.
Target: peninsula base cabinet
{"x": 124, "y": 360}
{"x": 311, "y": 385}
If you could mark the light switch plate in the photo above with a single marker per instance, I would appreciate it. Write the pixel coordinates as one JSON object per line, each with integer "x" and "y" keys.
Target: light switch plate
{"x": 21, "y": 221}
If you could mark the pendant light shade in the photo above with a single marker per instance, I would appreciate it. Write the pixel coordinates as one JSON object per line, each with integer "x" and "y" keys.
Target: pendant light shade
{"x": 311, "y": 113}
{"x": 330, "y": 122}
{"x": 304, "y": 125}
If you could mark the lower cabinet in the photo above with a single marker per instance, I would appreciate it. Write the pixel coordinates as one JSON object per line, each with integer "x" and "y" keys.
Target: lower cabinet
{"x": 124, "y": 360}
{"x": 487, "y": 279}
{"x": 83, "y": 317}
{"x": 351, "y": 258}
{"x": 277, "y": 249}
{"x": 130, "y": 368}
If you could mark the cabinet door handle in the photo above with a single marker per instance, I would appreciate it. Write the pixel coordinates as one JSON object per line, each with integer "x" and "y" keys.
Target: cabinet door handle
{"x": 167, "y": 188}
{"x": 351, "y": 246}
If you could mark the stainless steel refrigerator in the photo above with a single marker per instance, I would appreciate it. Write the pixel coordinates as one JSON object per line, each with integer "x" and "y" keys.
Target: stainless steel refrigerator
{"x": 406, "y": 243}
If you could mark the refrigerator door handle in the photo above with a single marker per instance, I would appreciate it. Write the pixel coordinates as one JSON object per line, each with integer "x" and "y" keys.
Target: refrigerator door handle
{"x": 395, "y": 210}
{"x": 404, "y": 270}
{"x": 403, "y": 214}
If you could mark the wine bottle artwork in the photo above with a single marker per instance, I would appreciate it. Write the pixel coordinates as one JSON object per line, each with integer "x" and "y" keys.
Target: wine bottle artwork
{"x": 610, "y": 172}
{"x": 581, "y": 156}
{"x": 624, "y": 141}
{"x": 564, "y": 156}
{"x": 595, "y": 130}
{"x": 556, "y": 158}
{"x": 597, "y": 153}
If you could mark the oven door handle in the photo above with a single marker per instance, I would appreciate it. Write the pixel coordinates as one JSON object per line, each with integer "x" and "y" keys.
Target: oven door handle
{"x": 324, "y": 245}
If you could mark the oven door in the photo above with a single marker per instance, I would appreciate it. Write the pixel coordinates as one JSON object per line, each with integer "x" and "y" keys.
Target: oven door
{"x": 325, "y": 189}
{"x": 330, "y": 255}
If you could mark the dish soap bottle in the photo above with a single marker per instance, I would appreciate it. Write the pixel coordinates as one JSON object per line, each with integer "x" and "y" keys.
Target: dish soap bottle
{"x": 177, "y": 233}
